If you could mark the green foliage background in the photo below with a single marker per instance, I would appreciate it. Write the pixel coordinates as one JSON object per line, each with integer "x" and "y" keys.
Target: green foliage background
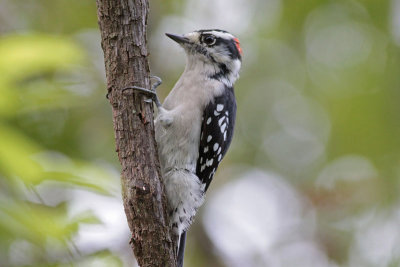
{"x": 318, "y": 103}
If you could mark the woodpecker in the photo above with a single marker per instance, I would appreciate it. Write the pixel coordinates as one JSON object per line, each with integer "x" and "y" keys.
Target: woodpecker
{"x": 194, "y": 126}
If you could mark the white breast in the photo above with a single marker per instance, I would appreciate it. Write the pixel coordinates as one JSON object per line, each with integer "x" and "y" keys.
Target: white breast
{"x": 178, "y": 143}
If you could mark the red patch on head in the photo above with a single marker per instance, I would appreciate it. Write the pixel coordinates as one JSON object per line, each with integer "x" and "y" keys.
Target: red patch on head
{"x": 237, "y": 43}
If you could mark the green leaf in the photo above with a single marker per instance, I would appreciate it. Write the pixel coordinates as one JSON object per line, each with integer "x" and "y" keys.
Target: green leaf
{"x": 33, "y": 55}
{"x": 24, "y": 55}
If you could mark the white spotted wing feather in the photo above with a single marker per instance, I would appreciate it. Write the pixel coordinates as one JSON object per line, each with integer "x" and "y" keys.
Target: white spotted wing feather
{"x": 216, "y": 134}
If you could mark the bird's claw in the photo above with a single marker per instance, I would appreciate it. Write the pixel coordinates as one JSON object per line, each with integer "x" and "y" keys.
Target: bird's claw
{"x": 151, "y": 92}
{"x": 157, "y": 83}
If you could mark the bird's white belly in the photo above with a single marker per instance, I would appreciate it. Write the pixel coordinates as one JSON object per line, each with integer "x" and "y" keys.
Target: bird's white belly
{"x": 178, "y": 143}
{"x": 178, "y": 146}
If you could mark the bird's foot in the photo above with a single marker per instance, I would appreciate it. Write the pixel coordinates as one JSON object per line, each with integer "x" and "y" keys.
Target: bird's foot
{"x": 151, "y": 92}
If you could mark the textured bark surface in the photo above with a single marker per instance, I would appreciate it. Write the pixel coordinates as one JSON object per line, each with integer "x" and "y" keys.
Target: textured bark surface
{"x": 123, "y": 31}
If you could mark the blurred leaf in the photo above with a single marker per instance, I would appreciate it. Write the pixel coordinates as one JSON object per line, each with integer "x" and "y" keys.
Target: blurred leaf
{"x": 36, "y": 223}
{"x": 33, "y": 55}
{"x": 100, "y": 259}
{"x": 19, "y": 158}
{"x": 25, "y": 55}
{"x": 74, "y": 180}
{"x": 74, "y": 172}
{"x": 16, "y": 156}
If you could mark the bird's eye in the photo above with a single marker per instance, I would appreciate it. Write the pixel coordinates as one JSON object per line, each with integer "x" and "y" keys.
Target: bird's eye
{"x": 209, "y": 40}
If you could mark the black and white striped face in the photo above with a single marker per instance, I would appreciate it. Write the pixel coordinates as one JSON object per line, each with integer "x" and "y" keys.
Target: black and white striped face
{"x": 215, "y": 45}
{"x": 216, "y": 48}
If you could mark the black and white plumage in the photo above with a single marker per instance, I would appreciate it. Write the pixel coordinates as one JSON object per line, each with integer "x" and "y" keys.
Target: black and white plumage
{"x": 195, "y": 124}
{"x": 217, "y": 127}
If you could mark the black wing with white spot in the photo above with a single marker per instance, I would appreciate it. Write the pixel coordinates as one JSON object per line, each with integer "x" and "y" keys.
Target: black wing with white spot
{"x": 216, "y": 134}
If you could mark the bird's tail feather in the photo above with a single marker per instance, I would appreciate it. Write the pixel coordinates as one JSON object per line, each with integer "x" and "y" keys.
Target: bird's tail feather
{"x": 181, "y": 249}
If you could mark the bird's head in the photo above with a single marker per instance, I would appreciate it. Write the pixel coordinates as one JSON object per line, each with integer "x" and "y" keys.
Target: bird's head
{"x": 215, "y": 53}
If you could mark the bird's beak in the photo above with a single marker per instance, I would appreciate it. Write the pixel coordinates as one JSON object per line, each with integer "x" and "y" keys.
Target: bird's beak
{"x": 178, "y": 38}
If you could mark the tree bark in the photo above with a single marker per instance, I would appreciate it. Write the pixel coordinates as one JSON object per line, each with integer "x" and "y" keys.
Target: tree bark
{"x": 123, "y": 31}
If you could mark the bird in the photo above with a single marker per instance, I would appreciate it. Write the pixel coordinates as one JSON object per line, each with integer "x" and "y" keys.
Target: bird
{"x": 195, "y": 123}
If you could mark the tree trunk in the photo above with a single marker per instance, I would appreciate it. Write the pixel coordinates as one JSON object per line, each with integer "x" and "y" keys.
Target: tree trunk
{"x": 123, "y": 31}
